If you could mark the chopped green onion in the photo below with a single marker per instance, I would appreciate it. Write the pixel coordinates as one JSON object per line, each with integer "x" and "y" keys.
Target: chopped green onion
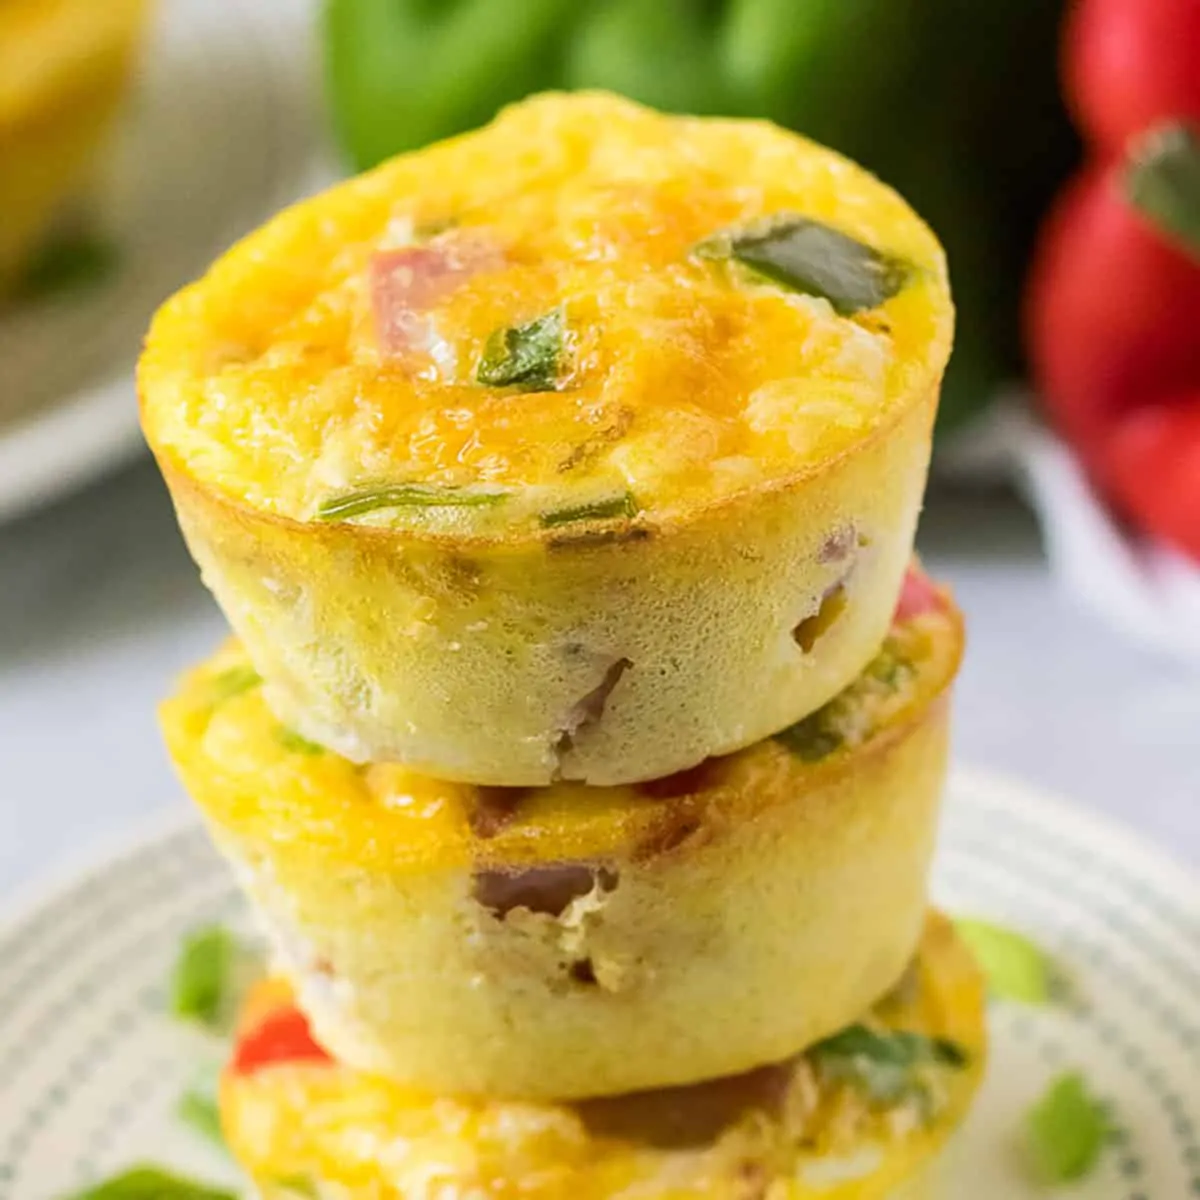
{"x": 614, "y": 506}
{"x": 66, "y": 263}
{"x": 1065, "y": 1131}
{"x": 233, "y": 682}
{"x": 402, "y": 495}
{"x": 203, "y": 973}
{"x": 812, "y": 738}
{"x": 1162, "y": 181}
{"x": 297, "y": 743}
{"x": 1015, "y": 968}
{"x": 525, "y": 356}
{"x": 152, "y": 1183}
{"x": 198, "y": 1109}
{"x": 816, "y": 259}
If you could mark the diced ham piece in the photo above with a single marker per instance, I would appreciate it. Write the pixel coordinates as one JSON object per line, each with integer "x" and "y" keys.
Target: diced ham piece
{"x": 587, "y": 710}
{"x": 409, "y": 281}
{"x": 918, "y": 595}
{"x": 283, "y": 1036}
{"x": 677, "y": 1118}
{"x": 548, "y": 890}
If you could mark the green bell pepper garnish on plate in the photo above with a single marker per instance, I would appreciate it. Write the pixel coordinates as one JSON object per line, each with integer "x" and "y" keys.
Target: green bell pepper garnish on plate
{"x": 198, "y": 1110}
{"x": 152, "y": 1183}
{"x": 210, "y": 976}
{"x": 203, "y": 970}
{"x": 1065, "y": 1131}
{"x": 1014, "y": 967}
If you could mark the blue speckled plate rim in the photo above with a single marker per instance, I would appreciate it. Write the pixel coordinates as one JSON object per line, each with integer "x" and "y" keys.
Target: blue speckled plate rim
{"x": 1032, "y": 831}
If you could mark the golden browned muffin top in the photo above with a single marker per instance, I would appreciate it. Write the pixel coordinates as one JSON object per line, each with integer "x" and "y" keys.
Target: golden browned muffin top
{"x": 586, "y": 310}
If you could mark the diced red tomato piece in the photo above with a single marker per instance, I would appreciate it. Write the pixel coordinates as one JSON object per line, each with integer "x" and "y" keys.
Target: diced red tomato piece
{"x": 283, "y": 1036}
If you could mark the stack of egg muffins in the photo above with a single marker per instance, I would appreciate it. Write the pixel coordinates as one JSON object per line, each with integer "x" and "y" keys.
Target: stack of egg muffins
{"x": 582, "y": 743}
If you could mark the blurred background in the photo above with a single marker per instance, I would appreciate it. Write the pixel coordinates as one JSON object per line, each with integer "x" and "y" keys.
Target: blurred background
{"x": 1051, "y": 146}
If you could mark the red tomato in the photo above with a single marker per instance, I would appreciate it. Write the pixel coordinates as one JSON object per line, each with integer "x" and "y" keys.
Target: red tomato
{"x": 1129, "y": 64}
{"x": 283, "y": 1036}
{"x": 1152, "y": 463}
{"x": 1111, "y": 312}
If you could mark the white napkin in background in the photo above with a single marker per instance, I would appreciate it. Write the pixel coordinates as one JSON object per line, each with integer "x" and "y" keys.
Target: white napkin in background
{"x": 1146, "y": 590}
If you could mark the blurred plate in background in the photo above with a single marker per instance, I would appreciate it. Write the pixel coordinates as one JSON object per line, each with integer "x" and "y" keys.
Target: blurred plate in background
{"x": 223, "y": 130}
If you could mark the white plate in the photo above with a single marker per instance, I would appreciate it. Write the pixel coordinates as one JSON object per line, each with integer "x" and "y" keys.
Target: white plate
{"x": 90, "y": 1069}
{"x": 222, "y": 131}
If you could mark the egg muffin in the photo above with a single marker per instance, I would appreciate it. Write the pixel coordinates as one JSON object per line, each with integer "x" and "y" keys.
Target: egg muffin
{"x": 572, "y": 940}
{"x": 580, "y": 448}
{"x": 863, "y": 1115}
{"x": 64, "y": 69}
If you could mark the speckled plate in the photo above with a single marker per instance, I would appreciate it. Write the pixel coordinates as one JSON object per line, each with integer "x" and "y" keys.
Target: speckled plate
{"x": 223, "y": 130}
{"x": 90, "y": 1069}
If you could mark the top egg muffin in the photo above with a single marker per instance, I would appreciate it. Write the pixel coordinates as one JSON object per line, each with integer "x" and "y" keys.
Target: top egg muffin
{"x": 584, "y": 446}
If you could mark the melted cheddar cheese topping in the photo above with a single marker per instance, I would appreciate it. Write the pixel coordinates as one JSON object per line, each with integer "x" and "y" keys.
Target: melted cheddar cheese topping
{"x": 524, "y": 320}
{"x": 254, "y": 776}
{"x": 823, "y": 1125}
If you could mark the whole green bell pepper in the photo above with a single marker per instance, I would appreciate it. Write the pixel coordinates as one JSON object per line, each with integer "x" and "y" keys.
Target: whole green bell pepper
{"x": 405, "y": 72}
{"x": 665, "y": 54}
{"x": 402, "y": 73}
